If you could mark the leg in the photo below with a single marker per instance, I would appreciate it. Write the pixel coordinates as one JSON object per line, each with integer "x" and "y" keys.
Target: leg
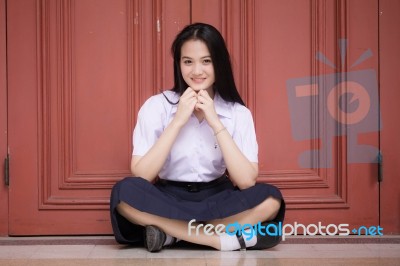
{"x": 265, "y": 211}
{"x": 176, "y": 228}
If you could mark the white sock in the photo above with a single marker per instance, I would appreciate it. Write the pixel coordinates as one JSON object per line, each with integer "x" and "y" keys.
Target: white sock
{"x": 230, "y": 242}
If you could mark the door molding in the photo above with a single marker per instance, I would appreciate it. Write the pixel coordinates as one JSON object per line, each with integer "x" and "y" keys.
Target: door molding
{"x": 321, "y": 28}
{"x": 3, "y": 120}
{"x": 389, "y": 41}
{"x": 57, "y": 86}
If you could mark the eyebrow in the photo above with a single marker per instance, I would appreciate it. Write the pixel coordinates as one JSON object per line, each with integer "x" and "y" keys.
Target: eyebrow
{"x": 187, "y": 57}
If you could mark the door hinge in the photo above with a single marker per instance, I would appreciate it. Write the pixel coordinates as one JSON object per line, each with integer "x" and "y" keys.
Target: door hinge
{"x": 380, "y": 167}
{"x": 7, "y": 170}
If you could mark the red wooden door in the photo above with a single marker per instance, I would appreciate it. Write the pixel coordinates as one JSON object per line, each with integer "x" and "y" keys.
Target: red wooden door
{"x": 78, "y": 72}
{"x": 296, "y": 63}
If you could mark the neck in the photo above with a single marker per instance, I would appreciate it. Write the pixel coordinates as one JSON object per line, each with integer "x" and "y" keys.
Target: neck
{"x": 199, "y": 115}
{"x": 210, "y": 92}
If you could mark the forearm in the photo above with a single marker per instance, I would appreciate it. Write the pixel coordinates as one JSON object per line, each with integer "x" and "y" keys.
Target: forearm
{"x": 149, "y": 165}
{"x": 241, "y": 171}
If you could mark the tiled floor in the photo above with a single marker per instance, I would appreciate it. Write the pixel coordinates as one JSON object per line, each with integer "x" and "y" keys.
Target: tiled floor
{"x": 99, "y": 251}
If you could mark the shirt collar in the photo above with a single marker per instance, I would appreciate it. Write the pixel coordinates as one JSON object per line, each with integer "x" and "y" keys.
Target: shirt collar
{"x": 222, "y": 107}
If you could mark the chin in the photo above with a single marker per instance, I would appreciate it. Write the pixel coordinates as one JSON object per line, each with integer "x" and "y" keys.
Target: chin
{"x": 199, "y": 88}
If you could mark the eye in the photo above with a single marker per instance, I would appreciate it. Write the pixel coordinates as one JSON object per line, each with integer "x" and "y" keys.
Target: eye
{"x": 187, "y": 61}
{"x": 207, "y": 61}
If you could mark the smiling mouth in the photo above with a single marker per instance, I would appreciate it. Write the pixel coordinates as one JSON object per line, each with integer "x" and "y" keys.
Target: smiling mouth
{"x": 198, "y": 80}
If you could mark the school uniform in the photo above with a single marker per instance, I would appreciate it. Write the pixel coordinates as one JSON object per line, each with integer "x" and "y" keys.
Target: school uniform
{"x": 192, "y": 183}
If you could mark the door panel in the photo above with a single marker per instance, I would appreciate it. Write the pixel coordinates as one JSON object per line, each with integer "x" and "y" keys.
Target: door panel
{"x": 78, "y": 73}
{"x": 308, "y": 146}
{"x": 3, "y": 120}
{"x": 208, "y": 11}
{"x": 390, "y": 94}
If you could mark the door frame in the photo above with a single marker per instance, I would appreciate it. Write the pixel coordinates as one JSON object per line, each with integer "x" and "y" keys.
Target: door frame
{"x": 389, "y": 80}
{"x": 3, "y": 120}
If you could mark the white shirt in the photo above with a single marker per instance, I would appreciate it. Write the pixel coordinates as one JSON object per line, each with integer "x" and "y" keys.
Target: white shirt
{"x": 195, "y": 156}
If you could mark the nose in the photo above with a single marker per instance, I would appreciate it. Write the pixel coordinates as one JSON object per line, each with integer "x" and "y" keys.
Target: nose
{"x": 197, "y": 69}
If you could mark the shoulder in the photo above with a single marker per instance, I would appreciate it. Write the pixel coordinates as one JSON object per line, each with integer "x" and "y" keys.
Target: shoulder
{"x": 231, "y": 109}
{"x": 161, "y": 99}
{"x": 241, "y": 111}
{"x": 158, "y": 103}
{"x": 239, "y": 108}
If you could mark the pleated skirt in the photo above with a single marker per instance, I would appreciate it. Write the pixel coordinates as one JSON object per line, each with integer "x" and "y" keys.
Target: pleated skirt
{"x": 216, "y": 202}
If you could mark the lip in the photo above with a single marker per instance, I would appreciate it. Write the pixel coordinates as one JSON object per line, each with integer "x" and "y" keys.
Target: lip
{"x": 198, "y": 80}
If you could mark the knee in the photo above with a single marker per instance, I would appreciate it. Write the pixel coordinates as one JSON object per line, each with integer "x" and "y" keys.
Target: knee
{"x": 123, "y": 208}
{"x": 271, "y": 207}
{"x": 276, "y": 203}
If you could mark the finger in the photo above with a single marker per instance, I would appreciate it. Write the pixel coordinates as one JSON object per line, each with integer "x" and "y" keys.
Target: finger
{"x": 186, "y": 93}
{"x": 189, "y": 94}
{"x": 203, "y": 100}
{"x": 200, "y": 99}
{"x": 198, "y": 106}
{"x": 204, "y": 93}
{"x": 189, "y": 91}
{"x": 193, "y": 102}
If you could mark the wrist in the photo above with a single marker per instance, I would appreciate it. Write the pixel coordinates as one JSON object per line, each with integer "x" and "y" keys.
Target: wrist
{"x": 217, "y": 127}
{"x": 219, "y": 131}
{"x": 176, "y": 123}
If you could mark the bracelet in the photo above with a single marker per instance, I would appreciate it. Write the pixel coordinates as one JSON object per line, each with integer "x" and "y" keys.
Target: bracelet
{"x": 219, "y": 131}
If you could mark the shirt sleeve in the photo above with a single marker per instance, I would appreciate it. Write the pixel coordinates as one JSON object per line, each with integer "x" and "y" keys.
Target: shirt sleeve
{"x": 244, "y": 133}
{"x": 149, "y": 126}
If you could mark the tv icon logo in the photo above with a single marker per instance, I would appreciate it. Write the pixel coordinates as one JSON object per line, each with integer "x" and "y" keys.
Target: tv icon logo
{"x": 339, "y": 104}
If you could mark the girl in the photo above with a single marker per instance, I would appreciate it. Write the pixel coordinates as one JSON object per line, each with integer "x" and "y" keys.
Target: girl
{"x": 195, "y": 158}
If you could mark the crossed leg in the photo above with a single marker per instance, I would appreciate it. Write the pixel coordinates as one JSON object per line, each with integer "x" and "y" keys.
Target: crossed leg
{"x": 265, "y": 211}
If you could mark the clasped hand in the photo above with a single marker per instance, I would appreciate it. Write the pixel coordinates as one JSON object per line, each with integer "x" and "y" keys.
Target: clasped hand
{"x": 192, "y": 101}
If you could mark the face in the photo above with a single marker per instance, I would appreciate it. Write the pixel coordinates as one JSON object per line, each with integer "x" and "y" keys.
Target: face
{"x": 196, "y": 66}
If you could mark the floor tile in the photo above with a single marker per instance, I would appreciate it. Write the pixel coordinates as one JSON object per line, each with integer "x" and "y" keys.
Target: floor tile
{"x": 103, "y": 251}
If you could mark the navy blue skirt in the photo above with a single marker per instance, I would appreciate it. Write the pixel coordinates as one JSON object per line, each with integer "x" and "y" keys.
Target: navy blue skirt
{"x": 216, "y": 202}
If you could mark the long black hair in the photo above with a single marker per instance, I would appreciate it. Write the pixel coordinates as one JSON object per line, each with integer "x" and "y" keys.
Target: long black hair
{"x": 224, "y": 82}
